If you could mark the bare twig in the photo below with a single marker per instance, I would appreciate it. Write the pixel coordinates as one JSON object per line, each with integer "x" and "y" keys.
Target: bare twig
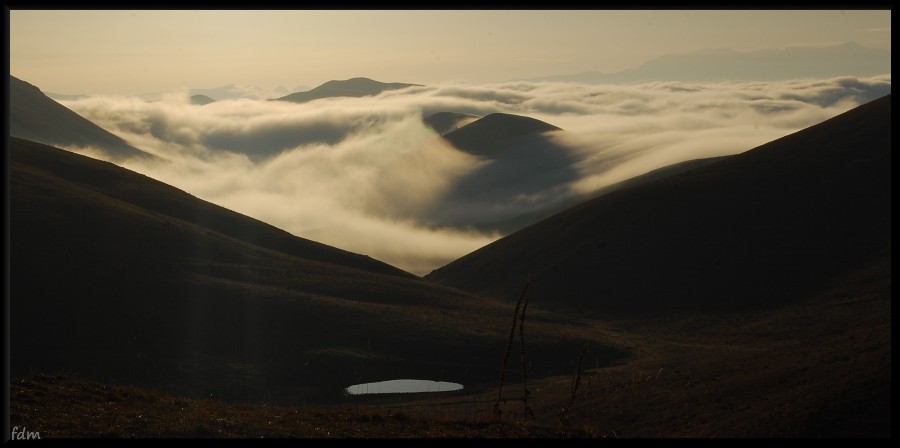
{"x": 512, "y": 333}
{"x": 525, "y": 392}
{"x": 576, "y": 379}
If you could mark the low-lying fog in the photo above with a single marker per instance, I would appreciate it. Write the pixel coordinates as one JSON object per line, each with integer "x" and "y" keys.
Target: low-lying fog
{"x": 366, "y": 175}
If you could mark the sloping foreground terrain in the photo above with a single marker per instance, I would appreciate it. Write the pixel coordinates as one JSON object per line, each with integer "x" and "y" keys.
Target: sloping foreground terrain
{"x": 818, "y": 368}
{"x": 117, "y": 277}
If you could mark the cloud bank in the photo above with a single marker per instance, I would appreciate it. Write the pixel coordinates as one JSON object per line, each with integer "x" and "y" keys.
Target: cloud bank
{"x": 366, "y": 175}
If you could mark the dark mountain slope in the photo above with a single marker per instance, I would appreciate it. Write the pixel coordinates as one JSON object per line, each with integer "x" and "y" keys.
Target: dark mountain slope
{"x": 491, "y": 133}
{"x": 444, "y": 122}
{"x": 518, "y": 222}
{"x": 755, "y": 229}
{"x": 34, "y": 116}
{"x": 138, "y": 190}
{"x": 526, "y": 178}
{"x": 118, "y": 277}
{"x": 201, "y": 100}
{"x": 525, "y": 170}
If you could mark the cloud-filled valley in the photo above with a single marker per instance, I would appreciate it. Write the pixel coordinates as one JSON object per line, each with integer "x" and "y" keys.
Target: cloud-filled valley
{"x": 367, "y": 175}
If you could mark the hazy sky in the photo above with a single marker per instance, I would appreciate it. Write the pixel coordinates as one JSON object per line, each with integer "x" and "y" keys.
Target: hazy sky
{"x": 130, "y": 52}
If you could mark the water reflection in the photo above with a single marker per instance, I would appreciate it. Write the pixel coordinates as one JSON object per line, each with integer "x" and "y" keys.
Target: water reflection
{"x": 402, "y": 387}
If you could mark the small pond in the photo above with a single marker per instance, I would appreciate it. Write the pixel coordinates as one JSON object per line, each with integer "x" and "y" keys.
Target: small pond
{"x": 402, "y": 387}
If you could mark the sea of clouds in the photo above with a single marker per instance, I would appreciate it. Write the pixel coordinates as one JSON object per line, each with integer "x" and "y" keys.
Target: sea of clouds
{"x": 365, "y": 174}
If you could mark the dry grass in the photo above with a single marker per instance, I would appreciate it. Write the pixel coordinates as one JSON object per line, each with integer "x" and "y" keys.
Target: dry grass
{"x": 784, "y": 373}
{"x": 820, "y": 368}
{"x": 60, "y": 406}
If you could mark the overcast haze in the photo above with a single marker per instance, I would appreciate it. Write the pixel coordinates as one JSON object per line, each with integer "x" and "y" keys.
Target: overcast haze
{"x": 131, "y": 52}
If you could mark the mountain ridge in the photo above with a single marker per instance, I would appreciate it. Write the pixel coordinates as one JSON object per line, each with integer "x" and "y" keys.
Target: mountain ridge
{"x": 477, "y": 137}
{"x": 444, "y": 122}
{"x": 787, "y": 211}
{"x": 35, "y": 116}
{"x": 124, "y": 279}
{"x": 353, "y": 87}
{"x": 760, "y": 65}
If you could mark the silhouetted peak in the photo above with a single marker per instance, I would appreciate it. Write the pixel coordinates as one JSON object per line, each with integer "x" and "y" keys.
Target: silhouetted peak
{"x": 501, "y": 125}
{"x": 201, "y": 100}
{"x": 353, "y": 87}
{"x": 18, "y": 83}
{"x": 444, "y": 122}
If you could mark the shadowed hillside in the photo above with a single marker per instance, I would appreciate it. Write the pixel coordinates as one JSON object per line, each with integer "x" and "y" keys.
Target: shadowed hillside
{"x": 754, "y": 229}
{"x": 525, "y": 170}
{"x": 140, "y": 191}
{"x": 34, "y": 116}
{"x": 488, "y": 136}
{"x": 201, "y": 100}
{"x": 444, "y": 122}
{"x": 354, "y": 87}
{"x": 121, "y": 278}
{"x": 526, "y": 175}
{"x": 518, "y": 222}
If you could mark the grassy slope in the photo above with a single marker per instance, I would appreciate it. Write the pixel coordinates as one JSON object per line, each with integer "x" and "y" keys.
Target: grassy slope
{"x": 519, "y": 222}
{"x": 119, "y": 277}
{"x": 820, "y": 367}
{"x": 58, "y": 406}
{"x": 797, "y": 371}
{"x": 754, "y": 229}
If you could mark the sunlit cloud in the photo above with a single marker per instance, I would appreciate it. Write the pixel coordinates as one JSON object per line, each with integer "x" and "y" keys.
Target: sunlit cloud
{"x": 366, "y": 175}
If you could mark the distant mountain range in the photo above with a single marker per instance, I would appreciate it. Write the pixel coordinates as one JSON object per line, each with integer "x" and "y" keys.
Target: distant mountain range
{"x": 354, "y": 87}
{"x": 34, "y": 116}
{"x": 848, "y": 59}
{"x": 227, "y": 92}
{"x": 234, "y": 91}
{"x": 764, "y": 227}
